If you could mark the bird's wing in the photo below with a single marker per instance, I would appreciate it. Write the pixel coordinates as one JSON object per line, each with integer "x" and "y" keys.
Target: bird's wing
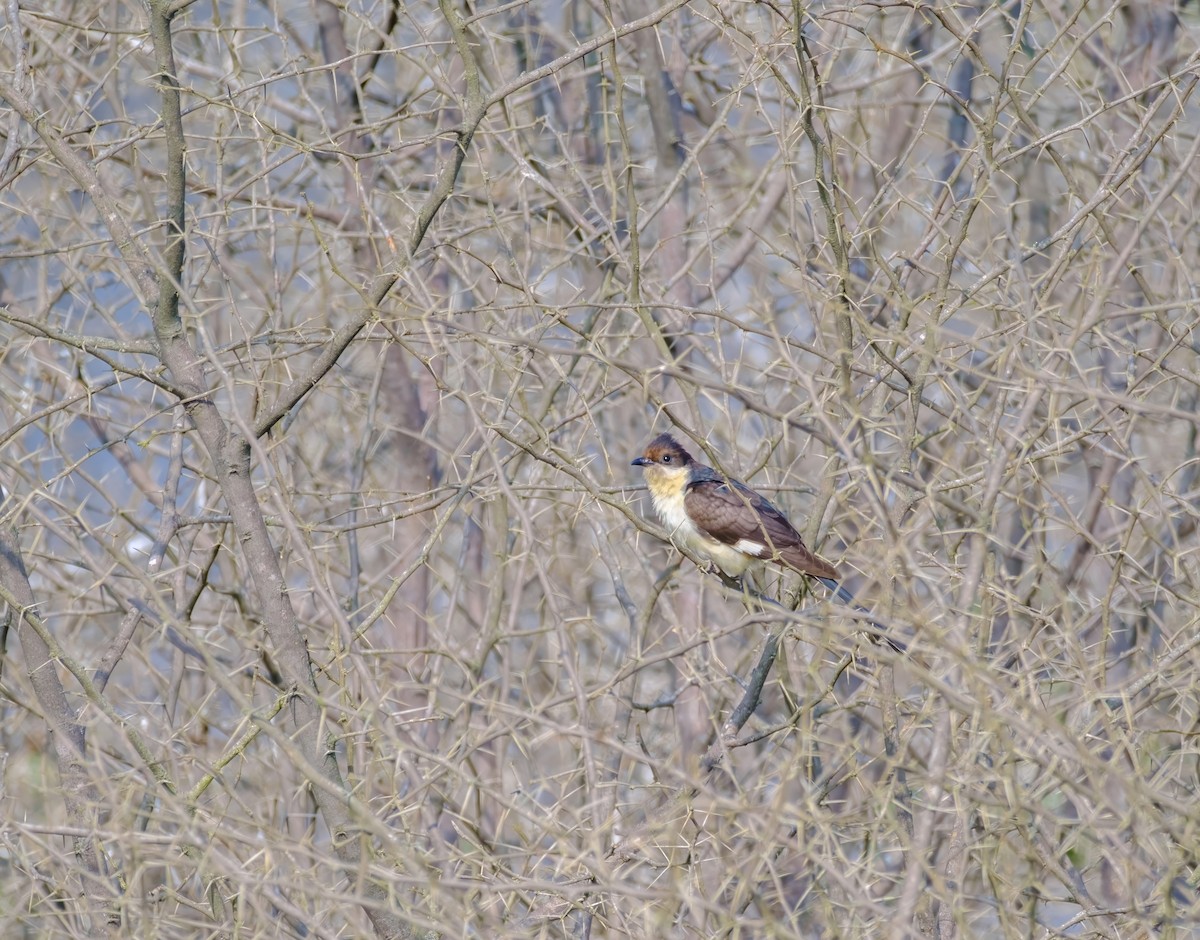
{"x": 732, "y": 513}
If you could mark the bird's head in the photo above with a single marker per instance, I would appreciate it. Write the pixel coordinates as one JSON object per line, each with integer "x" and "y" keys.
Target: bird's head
{"x": 665, "y": 462}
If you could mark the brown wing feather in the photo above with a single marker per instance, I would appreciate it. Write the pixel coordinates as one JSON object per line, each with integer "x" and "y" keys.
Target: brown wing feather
{"x": 730, "y": 512}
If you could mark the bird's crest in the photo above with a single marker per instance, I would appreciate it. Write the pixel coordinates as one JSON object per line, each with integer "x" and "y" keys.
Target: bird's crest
{"x": 666, "y": 451}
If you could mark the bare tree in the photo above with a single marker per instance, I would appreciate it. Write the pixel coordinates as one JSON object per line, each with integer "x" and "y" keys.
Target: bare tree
{"x": 333, "y": 607}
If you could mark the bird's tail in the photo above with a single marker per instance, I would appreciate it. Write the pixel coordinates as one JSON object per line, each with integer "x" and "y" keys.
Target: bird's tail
{"x": 882, "y": 630}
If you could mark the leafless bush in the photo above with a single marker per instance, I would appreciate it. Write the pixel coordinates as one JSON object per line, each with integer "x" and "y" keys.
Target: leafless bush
{"x": 333, "y": 605}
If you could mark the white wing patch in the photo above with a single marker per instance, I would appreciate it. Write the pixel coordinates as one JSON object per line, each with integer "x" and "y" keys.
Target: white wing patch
{"x": 750, "y": 547}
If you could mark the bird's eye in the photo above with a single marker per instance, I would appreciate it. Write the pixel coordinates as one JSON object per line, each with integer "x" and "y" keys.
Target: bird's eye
{"x": 666, "y": 458}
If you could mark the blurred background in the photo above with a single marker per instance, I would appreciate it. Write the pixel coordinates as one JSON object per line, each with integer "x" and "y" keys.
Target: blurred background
{"x": 923, "y": 275}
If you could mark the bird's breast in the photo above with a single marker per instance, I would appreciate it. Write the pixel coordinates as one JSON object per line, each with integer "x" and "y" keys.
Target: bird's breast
{"x": 684, "y": 532}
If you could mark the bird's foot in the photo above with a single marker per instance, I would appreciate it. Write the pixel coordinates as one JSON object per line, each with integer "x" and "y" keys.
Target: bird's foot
{"x": 712, "y": 568}
{"x": 737, "y": 584}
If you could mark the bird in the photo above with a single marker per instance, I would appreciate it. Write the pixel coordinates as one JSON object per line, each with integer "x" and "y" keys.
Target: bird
{"x": 726, "y": 523}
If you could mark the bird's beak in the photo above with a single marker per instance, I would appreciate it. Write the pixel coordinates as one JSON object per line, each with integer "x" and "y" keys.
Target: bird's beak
{"x": 639, "y": 462}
